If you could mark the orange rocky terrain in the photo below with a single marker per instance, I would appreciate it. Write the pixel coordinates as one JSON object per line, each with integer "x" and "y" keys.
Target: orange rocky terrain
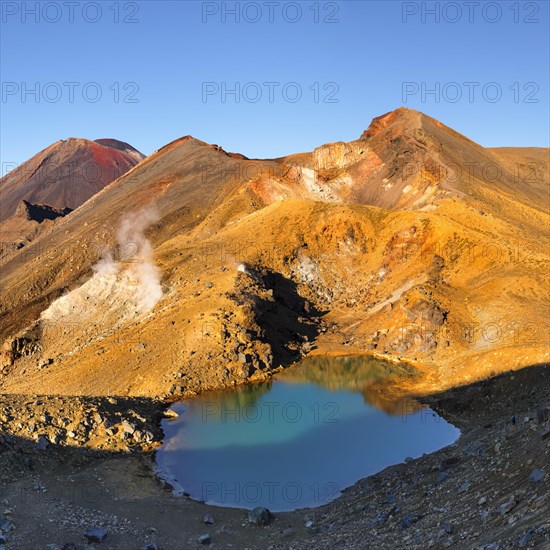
{"x": 200, "y": 269}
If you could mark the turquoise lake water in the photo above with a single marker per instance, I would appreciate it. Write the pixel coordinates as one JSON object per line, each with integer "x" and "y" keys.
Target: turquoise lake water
{"x": 299, "y": 440}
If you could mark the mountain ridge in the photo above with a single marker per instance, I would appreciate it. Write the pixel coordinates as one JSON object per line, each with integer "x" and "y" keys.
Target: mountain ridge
{"x": 66, "y": 173}
{"x": 59, "y": 179}
{"x": 380, "y": 245}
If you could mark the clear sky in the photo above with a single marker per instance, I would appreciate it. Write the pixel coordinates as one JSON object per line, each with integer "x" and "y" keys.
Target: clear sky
{"x": 305, "y": 73}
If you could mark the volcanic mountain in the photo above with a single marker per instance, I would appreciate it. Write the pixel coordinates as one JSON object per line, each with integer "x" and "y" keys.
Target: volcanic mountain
{"x": 66, "y": 174}
{"x": 58, "y": 179}
{"x": 201, "y": 269}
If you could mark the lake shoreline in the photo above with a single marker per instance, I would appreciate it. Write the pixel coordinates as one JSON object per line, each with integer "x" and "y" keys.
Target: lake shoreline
{"x": 275, "y": 444}
{"x": 485, "y": 489}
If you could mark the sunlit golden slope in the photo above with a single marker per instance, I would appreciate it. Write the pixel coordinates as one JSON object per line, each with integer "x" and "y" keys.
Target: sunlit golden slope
{"x": 410, "y": 243}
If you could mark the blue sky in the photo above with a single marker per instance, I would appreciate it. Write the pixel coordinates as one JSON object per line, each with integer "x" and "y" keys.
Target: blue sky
{"x": 162, "y": 68}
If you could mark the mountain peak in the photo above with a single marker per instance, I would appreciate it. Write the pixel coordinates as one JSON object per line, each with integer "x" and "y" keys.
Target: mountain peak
{"x": 403, "y": 115}
{"x": 66, "y": 173}
{"x": 115, "y": 144}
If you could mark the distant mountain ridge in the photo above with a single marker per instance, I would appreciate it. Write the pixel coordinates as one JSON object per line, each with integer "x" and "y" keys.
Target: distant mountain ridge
{"x": 66, "y": 174}
{"x": 54, "y": 182}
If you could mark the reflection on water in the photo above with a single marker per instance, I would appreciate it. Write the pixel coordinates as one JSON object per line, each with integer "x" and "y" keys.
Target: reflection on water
{"x": 299, "y": 440}
{"x": 379, "y": 381}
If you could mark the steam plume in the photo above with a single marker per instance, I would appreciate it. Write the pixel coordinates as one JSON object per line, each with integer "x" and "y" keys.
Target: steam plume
{"x": 126, "y": 282}
{"x": 136, "y": 248}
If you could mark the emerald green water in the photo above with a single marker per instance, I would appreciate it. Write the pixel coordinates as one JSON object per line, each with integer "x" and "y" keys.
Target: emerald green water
{"x": 297, "y": 441}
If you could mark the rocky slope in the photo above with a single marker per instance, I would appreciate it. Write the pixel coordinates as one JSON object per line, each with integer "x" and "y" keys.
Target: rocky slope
{"x": 411, "y": 243}
{"x": 488, "y": 491}
{"x": 59, "y": 178}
